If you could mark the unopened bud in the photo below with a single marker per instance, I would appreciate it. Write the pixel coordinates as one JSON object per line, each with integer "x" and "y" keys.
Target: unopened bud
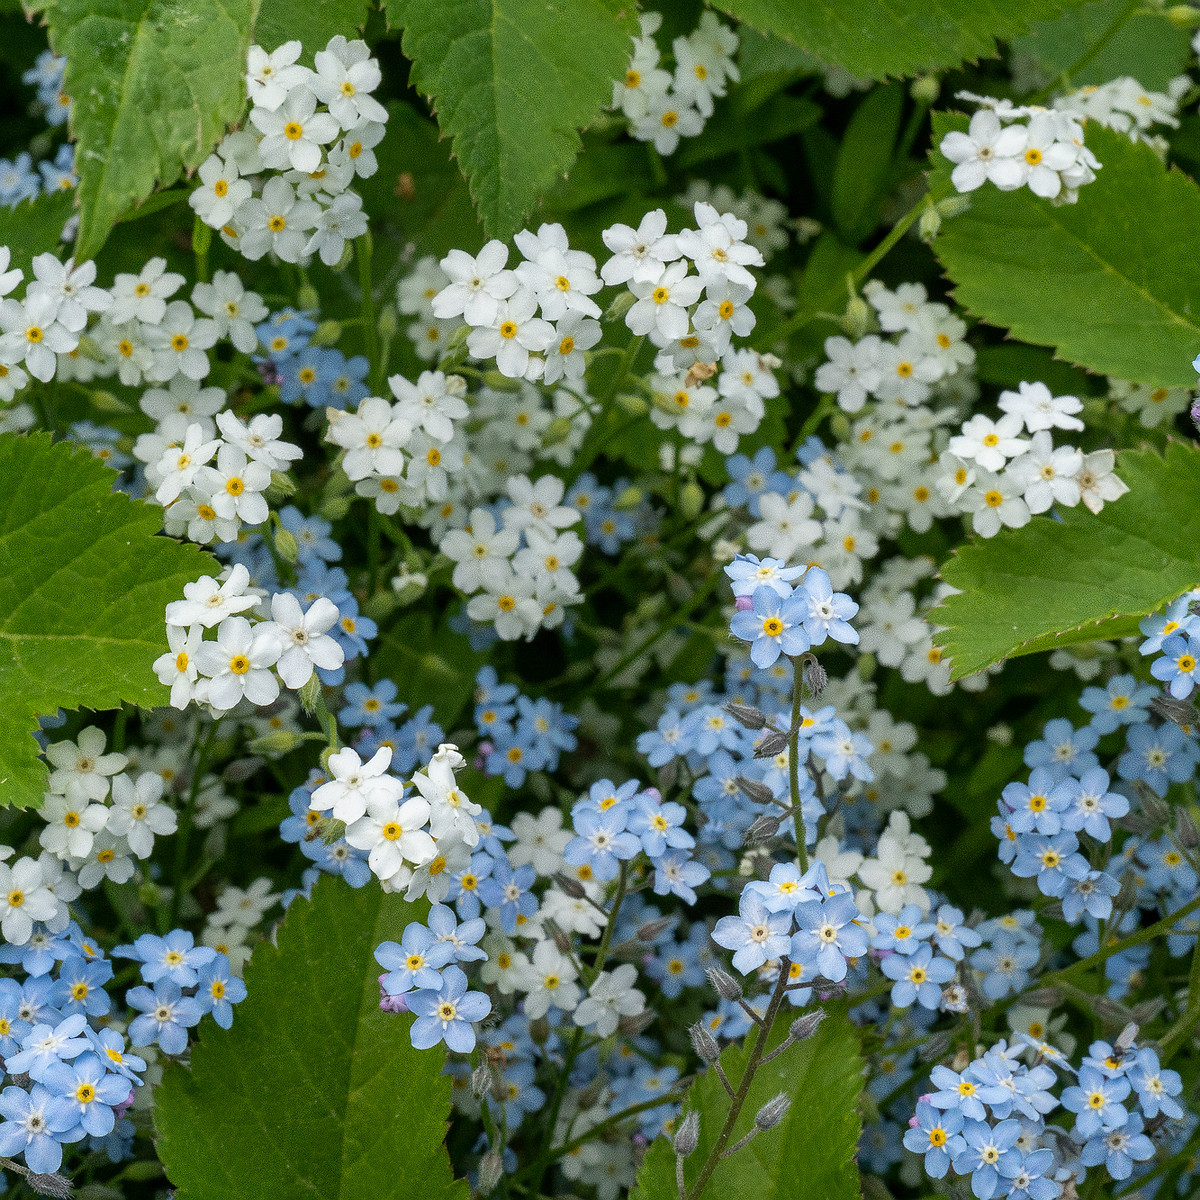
{"x": 389, "y": 321}
{"x": 491, "y": 1167}
{"x": 816, "y": 678}
{"x": 481, "y": 1081}
{"x": 755, "y": 790}
{"x": 286, "y": 545}
{"x": 635, "y": 1025}
{"x": 953, "y": 206}
{"x": 772, "y": 1112}
{"x": 307, "y": 298}
{"x": 274, "y": 743}
{"x": 310, "y": 693}
{"x": 771, "y": 745}
{"x": 107, "y": 402}
{"x": 1182, "y": 712}
{"x": 929, "y": 225}
{"x": 724, "y": 984}
{"x": 805, "y": 1026}
{"x": 539, "y": 1030}
{"x": 557, "y": 431}
{"x": 621, "y": 304}
{"x": 651, "y": 931}
{"x": 635, "y": 406}
{"x": 201, "y": 237}
{"x": 1042, "y": 998}
{"x": 631, "y": 497}
{"x": 691, "y": 500}
{"x": 687, "y": 1137}
{"x": 934, "y": 1047}
{"x": 1155, "y": 808}
{"x": 925, "y": 89}
{"x": 572, "y": 888}
{"x": 50, "y": 1185}
{"x": 283, "y": 483}
{"x": 346, "y": 259}
{"x": 335, "y": 508}
{"x": 856, "y": 318}
{"x": 704, "y": 1043}
{"x": 1185, "y": 829}
{"x": 150, "y": 894}
{"x": 1183, "y": 15}
{"x": 328, "y": 333}
{"x": 762, "y": 829}
{"x": 746, "y": 715}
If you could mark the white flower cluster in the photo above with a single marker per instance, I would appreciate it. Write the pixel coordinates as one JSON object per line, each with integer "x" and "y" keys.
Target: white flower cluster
{"x": 403, "y": 453}
{"x": 927, "y": 345}
{"x": 419, "y": 843}
{"x": 94, "y": 839}
{"x": 517, "y": 568}
{"x": 1047, "y": 155}
{"x": 415, "y": 293}
{"x": 34, "y": 890}
{"x": 1125, "y": 105}
{"x": 318, "y": 129}
{"x": 766, "y": 218}
{"x": 1151, "y": 405}
{"x": 246, "y": 659}
{"x": 663, "y": 107}
{"x": 1001, "y": 478}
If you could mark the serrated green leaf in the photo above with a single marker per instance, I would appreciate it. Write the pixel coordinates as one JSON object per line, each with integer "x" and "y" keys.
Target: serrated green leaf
{"x": 1106, "y": 281}
{"x": 513, "y": 81}
{"x": 809, "y": 1155}
{"x": 312, "y": 24}
{"x": 34, "y": 227}
{"x": 877, "y": 38}
{"x": 1147, "y": 46}
{"x": 1054, "y": 583}
{"x": 83, "y": 586}
{"x": 158, "y": 82}
{"x": 314, "y": 1091}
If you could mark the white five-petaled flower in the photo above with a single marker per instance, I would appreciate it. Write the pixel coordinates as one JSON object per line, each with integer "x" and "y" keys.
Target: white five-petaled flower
{"x": 207, "y": 602}
{"x": 990, "y": 443}
{"x": 303, "y": 640}
{"x": 239, "y": 664}
{"x": 345, "y": 76}
{"x": 24, "y": 898}
{"x": 177, "y": 668}
{"x": 639, "y": 253}
{"x": 662, "y": 304}
{"x": 144, "y": 296}
{"x": 71, "y": 825}
{"x": 269, "y": 77}
{"x": 986, "y": 151}
{"x": 394, "y": 834}
{"x": 611, "y": 997}
{"x": 33, "y": 334}
{"x": 717, "y": 247}
{"x": 372, "y": 438}
{"x": 515, "y": 333}
{"x": 260, "y": 440}
{"x": 180, "y": 466}
{"x": 237, "y": 486}
{"x": 452, "y": 812}
{"x": 294, "y": 133}
{"x": 354, "y": 783}
{"x": 138, "y": 813}
{"x": 477, "y": 285}
{"x": 81, "y": 768}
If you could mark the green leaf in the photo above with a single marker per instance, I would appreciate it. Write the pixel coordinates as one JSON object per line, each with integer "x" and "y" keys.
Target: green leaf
{"x": 314, "y": 1091}
{"x": 1054, "y": 583}
{"x": 311, "y": 22}
{"x": 1148, "y": 46}
{"x": 513, "y": 81}
{"x": 34, "y": 227}
{"x": 1107, "y": 281}
{"x": 430, "y": 666}
{"x": 865, "y": 162}
{"x": 809, "y": 1155}
{"x": 83, "y": 587}
{"x": 158, "y": 81}
{"x": 877, "y": 38}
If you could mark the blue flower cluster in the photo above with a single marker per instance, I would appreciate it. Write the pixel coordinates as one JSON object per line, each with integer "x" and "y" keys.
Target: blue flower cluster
{"x": 319, "y": 376}
{"x": 518, "y": 734}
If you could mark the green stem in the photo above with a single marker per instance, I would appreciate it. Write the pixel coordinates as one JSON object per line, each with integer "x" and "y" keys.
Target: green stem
{"x": 794, "y": 765}
{"x": 362, "y": 250}
{"x": 606, "y": 939}
{"x": 587, "y": 454}
{"x": 1182, "y": 1029}
{"x": 1089, "y": 55}
{"x": 609, "y": 1122}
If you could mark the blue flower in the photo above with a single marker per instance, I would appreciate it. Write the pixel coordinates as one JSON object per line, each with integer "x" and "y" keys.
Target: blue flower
{"x": 464, "y": 890}
{"x": 460, "y": 936}
{"x": 446, "y": 1014}
{"x": 90, "y": 1090}
{"x": 514, "y": 755}
{"x": 752, "y": 477}
{"x": 903, "y": 931}
{"x": 749, "y": 573}
{"x": 35, "y": 1122}
{"x": 509, "y": 891}
{"x": 774, "y": 625}
{"x": 1156, "y": 1089}
{"x": 45, "y": 1045}
{"x": 285, "y": 332}
{"x": 666, "y": 741}
{"x": 174, "y": 957}
{"x": 951, "y": 936}
{"x": 80, "y": 987}
{"x": 1122, "y": 701}
{"x": 936, "y": 1136}
{"x": 220, "y": 990}
{"x": 601, "y": 842}
{"x": 1063, "y": 750}
{"x": 109, "y": 1045}
{"x": 413, "y": 962}
{"x": 1157, "y": 756}
{"x": 307, "y": 376}
{"x": 346, "y": 386}
{"x": 166, "y": 1017}
{"x": 312, "y": 536}
{"x": 1118, "y": 1148}
{"x": 660, "y": 826}
{"x": 1157, "y": 627}
{"x": 988, "y": 1149}
{"x": 1090, "y": 805}
{"x": 1178, "y": 665}
{"x": 827, "y": 613}
{"x": 1006, "y": 964}
{"x": 1054, "y": 860}
{"x": 829, "y": 934}
{"x": 1096, "y": 1101}
{"x": 918, "y": 977}
{"x": 18, "y": 180}
{"x": 370, "y": 705}
{"x": 1092, "y": 894}
{"x": 1026, "y": 1177}
{"x": 1036, "y": 805}
{"x": 964, "y": 1092}
{"x": 60, "y": 174}
{"x": 677, "y": 873}
{"x": 14, "y": 1029}
{"x": 755, "y": 935}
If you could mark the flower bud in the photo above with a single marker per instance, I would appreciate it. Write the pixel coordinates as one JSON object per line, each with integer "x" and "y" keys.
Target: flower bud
{"x": 275, "y": 743}
{"x": 691, "y": 500}
{"x": 151, "y": 895}
{"x": 50, "y": 1185}
{"x": 1185, "y": 829}
{"x": 491, "y": 1167}
{"x": 762, "y": 829}
{"x": 746, "y": 715}
{"x": 201, "y": 237}
{"x": 557, "y": 431}
{"x": 106, "y": 401}
{"x": 310, "y": 693}
{"x": 632, "y": 1026}
{"x": 755, "y": 790}
{"x": 286, "y": 545}
{"x": 1184, "y": 16}
{"x": 481, "y": 1081}
{"x": 651, "y": 931}
{"x": 620, "y": 305}
{"x": 856, "y": 318}
{"x": 389, "y": 321}
{"x": 704, "y": 1043}
{"x": 815, "y": 676}
{"x": 631, "y": 497}
{"x": 335, "y": 508}
{"x": 635, "y": 406}
{"x": 688, "y": 1135}
{"x": 925, "y": 89}
{"x": 929, "y": 225}
{"x": 283, "y": 483}
{"x": 953, "y": 206}
{"x": 805, "y": 1026}
{"x": 724, "y": 984}
{"x": 327, "y": 333}
{"x": 571, "y": 888}
{"x": 774, "y": 743}
{"x": 307, "y": 298}
{"x": 772, "y": 1112}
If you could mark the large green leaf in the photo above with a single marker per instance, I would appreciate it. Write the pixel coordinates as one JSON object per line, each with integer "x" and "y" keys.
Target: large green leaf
{"x": 513, "y": 81}
{"x": 157, "y": 81}
{"x": 877, "y": 38}
{"x": 83, "y": 587}
{"x": 809, "y": 1155}
{"x": 864, "y": 162}
{"x": 1053, "y": 583}
{"x": 1107, "y": 281}
{"x": 314, "y": 1091}
{"x": 311, "y": 22}
{"x": 35, "y": 226}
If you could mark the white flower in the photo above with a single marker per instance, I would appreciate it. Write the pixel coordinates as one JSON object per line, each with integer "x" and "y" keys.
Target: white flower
{"x": 145, "y": 294}
{"x": 179, "y": 342}
{"x": 639, "y": 253}
{"x": 548, "y": 559}
{"x": 269, "y": 77}
{"x": 562, "y": 279}
{"x": 852, "y": 371}
{"x": 180, "y": 466}
{"x": 1048, "y": 475}
{"x": 33, "y": 334}
{"x": 294, "y": 133}
{"x": 222, "y": 190}
{"x": 906, "y": 371}
{"x": 341, "y": 222}
{"x": 207, "y": 602}
{"x": 8, "y": 279}
{"x": 514, "y": 333}
{"x": 109, "y": 858}
{"x": 1043, "y": 156}
{"x": 354, "y": 783}
{"x": 452, "y": 812}
{"x": 243, "y": 908}
{"x": 573, "y": 334}
{"x": 667, "y": 119}
{"x": 480, "y": 552}
{"x": 509, "y": 604}
{"x": 433, "y": 403}
{"x": 717, "y": 247}
{"x": 138, "y": 813}
{"x": 990, "y": 443}
{"x": 81, "y": 768}
{"x": 610, "y": 997}
{"x": 1096, "y": 480}
{"x": 995, "y": 500}
{"x": 540, "y": 840}
{"x": 185, "y": 396}
{"x": 723, "y": 312}
{"x": 238, "y": 664}
{"x": 662, "y": 304}
{"x": 260, "y": 440}
{"x": 72, "y": 288}
{"x": 71, "y": 825}
{"x": 536, "y": 505}
{"x": 24, "y": 898}
{"x": 786, "y": 527}
{"x": 1034, "y": 404}
{"x": 372, "y": 437}
{"x": 551, "y": 981}
{"x": 357, "y": 149}
{"x": 394, "y": 834}
{"x": 236, "y": 486}
{"x": 303, "y": 642}
{"x": 643, "y": 81}
{"x": 234, "y": 309}
{"x": 986, "y": 151}
{"x": 477, "y": 285}
{"x": 345, "y": 76}
{"x": 896, "y": 874}
{"x": 177, "y": 668}
{"x": 279, "y": 222}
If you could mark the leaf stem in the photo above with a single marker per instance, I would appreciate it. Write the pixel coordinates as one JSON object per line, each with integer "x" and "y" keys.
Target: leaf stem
{"x": 794, "y": 765}
{"x": 370, "y": 331}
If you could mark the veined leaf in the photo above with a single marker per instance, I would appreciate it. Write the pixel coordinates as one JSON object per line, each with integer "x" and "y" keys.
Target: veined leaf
{"x": 312, "y": 24}
{"x": 513, "y": 81}
{"x": 314, "y": 1091}
{"x": 34, "y": 227}
{"x": 1106, "y": 281}
{"x": 1054, "y": 583}
{"x": 83, "y": 587}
